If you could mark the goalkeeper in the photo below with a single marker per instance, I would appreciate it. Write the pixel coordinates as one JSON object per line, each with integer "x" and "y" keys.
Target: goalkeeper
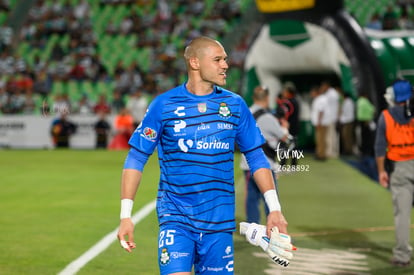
{"x": 195, "y": 128}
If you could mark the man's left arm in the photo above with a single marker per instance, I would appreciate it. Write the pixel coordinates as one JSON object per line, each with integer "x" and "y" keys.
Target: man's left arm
{"x": 265, "y": 182}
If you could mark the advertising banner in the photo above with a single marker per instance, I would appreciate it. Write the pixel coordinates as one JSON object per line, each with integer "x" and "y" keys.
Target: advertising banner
{"x": 33, "y": 132}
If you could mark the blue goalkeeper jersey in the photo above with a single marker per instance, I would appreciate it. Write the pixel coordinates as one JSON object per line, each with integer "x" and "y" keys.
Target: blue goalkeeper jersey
{"x": 195, "y": 137}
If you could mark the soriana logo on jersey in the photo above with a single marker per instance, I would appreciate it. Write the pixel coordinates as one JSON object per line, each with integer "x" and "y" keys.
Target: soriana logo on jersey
{"x": 149, "y": 133}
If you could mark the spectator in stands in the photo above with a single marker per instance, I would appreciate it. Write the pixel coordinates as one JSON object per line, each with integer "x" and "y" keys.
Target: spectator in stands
{"x": 6, "y": 63}
{"x": 42, "y": 83}
{"x": 390, "y": 19}
{"x": 375, "y": 22}
{"x": 38, "y": 11}
{"x": 111, "y": 28}
{"x": 17, "y": 100}
{"x": 98, "y": 69}
{"x": 8, "y": 107}
{"x": 28, "y": 31}
{"x": 238, "y": 54}
{"x": 196, "y": 7}
{"x": 38, "y": 64}
{"x": 78, "y": 71}
{"x": 102, "y": 105}
{"x": 137, "y": 105}
{"x": 128, "y": 79}
{"x": 4, "y": 97}
{"x": 117, "y": 103}
{"x": 125, "y": 26}
{"x": 82, "y": 10}
{"x": 405, "y": 22}
{"x": 29, "y": 105}
{"x": 24, "y": 82}
{"x": 83, "y": 106}
{"x": 6, "y": 35}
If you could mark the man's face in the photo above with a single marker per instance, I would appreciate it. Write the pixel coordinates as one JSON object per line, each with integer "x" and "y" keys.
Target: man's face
{"x": 213, "y": 65}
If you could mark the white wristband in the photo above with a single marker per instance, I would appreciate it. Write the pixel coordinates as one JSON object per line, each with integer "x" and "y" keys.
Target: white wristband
{"x": 272, "y": 200}
{"x": 126, "y": 208}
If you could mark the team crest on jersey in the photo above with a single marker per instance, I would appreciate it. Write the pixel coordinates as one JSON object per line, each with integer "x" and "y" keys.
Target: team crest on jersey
{"x": 149, "y": 133}
{"x": 202, "y": 107}
{"x": 224, "y": 110}
{"x": 164, "y": 257}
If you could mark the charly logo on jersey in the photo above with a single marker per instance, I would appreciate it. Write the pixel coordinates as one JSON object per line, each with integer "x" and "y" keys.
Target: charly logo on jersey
{"x": 202, "y": 107}
{"x": 180, "y": 111}
{"x": 224, "y": 110}
{"x": 149, "y": 133}
{"x": 230, "y": 266}
{"x": 179, "y": 125}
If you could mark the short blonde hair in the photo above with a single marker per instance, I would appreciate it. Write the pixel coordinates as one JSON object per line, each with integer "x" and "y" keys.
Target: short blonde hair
{"x": 197, "y": 45}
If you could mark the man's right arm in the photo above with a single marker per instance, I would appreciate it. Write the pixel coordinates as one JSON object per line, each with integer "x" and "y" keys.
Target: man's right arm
{"x": 380, "y": 148}
{"x": 129, "y": 183}
{"x": 131, "y": 178}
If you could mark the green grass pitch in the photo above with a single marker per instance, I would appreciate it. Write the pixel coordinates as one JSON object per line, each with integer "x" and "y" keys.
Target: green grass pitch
{"x": 56, "y": 204}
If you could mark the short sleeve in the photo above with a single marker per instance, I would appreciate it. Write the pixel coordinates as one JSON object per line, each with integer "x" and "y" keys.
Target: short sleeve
{"x": 145, "y": 138}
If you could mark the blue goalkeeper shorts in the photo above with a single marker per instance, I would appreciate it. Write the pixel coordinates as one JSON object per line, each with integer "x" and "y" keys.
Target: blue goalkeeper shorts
{"x": 179, "y": 250}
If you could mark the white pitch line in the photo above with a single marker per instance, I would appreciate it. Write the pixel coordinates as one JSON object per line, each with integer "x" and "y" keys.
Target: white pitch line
{"x": 104, "y": 243}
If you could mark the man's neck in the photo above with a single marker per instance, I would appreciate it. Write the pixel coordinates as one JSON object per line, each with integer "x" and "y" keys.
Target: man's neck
{"x": 261, "y": 104}
{"x": 199, "y": 89}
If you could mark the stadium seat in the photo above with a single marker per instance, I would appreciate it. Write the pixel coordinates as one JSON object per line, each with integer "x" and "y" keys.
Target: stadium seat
{"x": 364, "y": 9}
{"x": 73, "y": 90}
{"x": 58, "y": 87}
{"x": 87, "y": 88}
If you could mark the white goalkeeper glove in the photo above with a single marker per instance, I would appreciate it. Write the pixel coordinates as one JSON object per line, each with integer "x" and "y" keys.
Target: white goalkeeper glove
{"x": 278, "y": 247}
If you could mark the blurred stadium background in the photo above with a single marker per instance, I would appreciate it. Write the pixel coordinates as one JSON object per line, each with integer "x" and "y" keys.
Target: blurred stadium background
{"x": 72, "y": 53}
{"x": 56, "y": 204}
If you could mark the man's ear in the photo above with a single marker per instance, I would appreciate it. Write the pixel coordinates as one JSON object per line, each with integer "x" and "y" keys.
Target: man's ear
{"x": 194, "y": 63}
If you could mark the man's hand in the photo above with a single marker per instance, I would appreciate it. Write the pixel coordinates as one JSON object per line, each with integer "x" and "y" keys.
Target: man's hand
{"x": 277, "y": 219}
{"x": 126, "y": 229}
{"x": 278, "y": 246}
{"x": 383, "y": 179}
